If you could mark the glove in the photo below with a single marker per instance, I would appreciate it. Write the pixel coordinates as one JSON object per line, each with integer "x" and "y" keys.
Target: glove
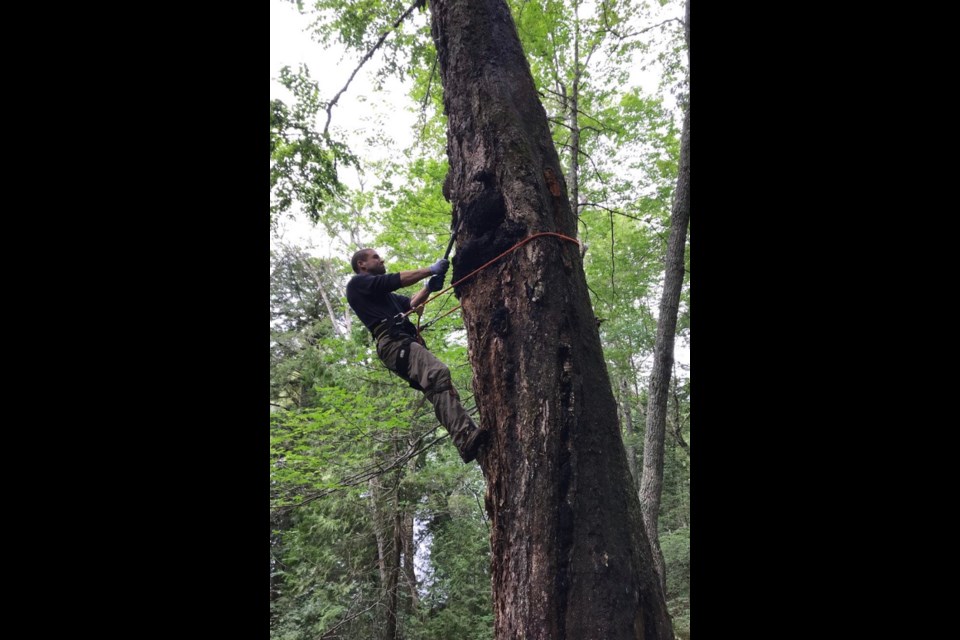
{"x": 435, "y": 283}
{"x": 439, "y": 267}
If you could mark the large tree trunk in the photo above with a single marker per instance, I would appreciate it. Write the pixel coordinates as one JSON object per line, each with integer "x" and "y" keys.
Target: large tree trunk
{"x": 570, "y": 556}
{"x": 651, "y": 481}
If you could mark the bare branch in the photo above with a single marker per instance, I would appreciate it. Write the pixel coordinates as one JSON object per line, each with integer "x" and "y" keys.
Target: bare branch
{"x": 598, "y": 296}
{"x": 559, "y": 95}
{"x": 606, "y": 25}
{"x": 349, "y": 618}
{"x": 563, "y": 98}
{"x": 364, "y": 60}
{"x": 426, "y": 97}
{"x": 596, "y": 169}
{"x": 560, "y": 122}
{"x": 619, "y": 213}
{"x": 637, "y": 33}
{"x": 367, "y": 473}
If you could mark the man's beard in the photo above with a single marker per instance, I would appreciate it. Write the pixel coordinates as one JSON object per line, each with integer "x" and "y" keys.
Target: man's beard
{"x": 379, "y": 270}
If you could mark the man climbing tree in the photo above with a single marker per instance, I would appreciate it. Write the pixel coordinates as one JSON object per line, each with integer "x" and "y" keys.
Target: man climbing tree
{"x": 571, "y": 558}
{"x": 400, "y": 348}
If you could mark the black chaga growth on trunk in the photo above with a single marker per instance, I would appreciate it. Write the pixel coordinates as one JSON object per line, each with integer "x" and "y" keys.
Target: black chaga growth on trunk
{"x": 571, "y": 559}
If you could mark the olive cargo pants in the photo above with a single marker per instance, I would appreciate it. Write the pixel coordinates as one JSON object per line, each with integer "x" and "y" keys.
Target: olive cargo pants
{"x": 433, "y": 376}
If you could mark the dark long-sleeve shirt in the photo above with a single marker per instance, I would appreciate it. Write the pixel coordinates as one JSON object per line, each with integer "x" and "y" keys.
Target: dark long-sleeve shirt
{"x": 372, "y": 299}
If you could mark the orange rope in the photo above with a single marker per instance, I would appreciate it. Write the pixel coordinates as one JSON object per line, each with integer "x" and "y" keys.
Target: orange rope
{"x": 484, "y": 266}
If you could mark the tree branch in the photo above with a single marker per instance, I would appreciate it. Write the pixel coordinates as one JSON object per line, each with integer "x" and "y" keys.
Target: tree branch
{"x": 606, "y": 25}
{"x": 619, "y": 213}
{"x": 364, "y": 475}
{"x": 563, "y": 99}
{"x": 327, "y": 633}
{"x": 596, "y": 170}
{"x": 559, "y": 122}
{"x": 364, "y": 60}
{"x": 598, "y": 296}
{"x": 637, "y": 33}
{"x": 559, "y": 95}
{"x": 426, "y": 97}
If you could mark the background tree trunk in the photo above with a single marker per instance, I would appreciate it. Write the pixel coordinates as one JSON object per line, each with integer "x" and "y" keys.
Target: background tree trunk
{"x": 651, "y": 482}
{"x": 409, "y": 554}
{"x": 393, "y": 579}
{"x": 387, "y": 522}
{"x": 570, "y": 556}
{"x": 625, "y": 401}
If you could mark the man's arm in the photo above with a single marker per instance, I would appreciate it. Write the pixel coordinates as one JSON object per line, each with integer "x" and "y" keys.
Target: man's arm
{"x": 419, "y": 298}
{"x": 409, "y": 277}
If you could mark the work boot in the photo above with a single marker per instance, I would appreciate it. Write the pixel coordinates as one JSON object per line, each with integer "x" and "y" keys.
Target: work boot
{"x": 471, "y": 446}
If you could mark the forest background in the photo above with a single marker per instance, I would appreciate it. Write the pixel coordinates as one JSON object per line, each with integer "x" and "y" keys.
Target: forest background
{"x": 362, "y": 478}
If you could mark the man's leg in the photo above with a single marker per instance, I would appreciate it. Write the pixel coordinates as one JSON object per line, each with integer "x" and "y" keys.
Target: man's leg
{"x": 434, "y": 377}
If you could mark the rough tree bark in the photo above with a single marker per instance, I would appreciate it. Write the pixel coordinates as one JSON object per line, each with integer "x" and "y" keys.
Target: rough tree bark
{"x": 570, "y": 556}
{"x": 651, "y": 481}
